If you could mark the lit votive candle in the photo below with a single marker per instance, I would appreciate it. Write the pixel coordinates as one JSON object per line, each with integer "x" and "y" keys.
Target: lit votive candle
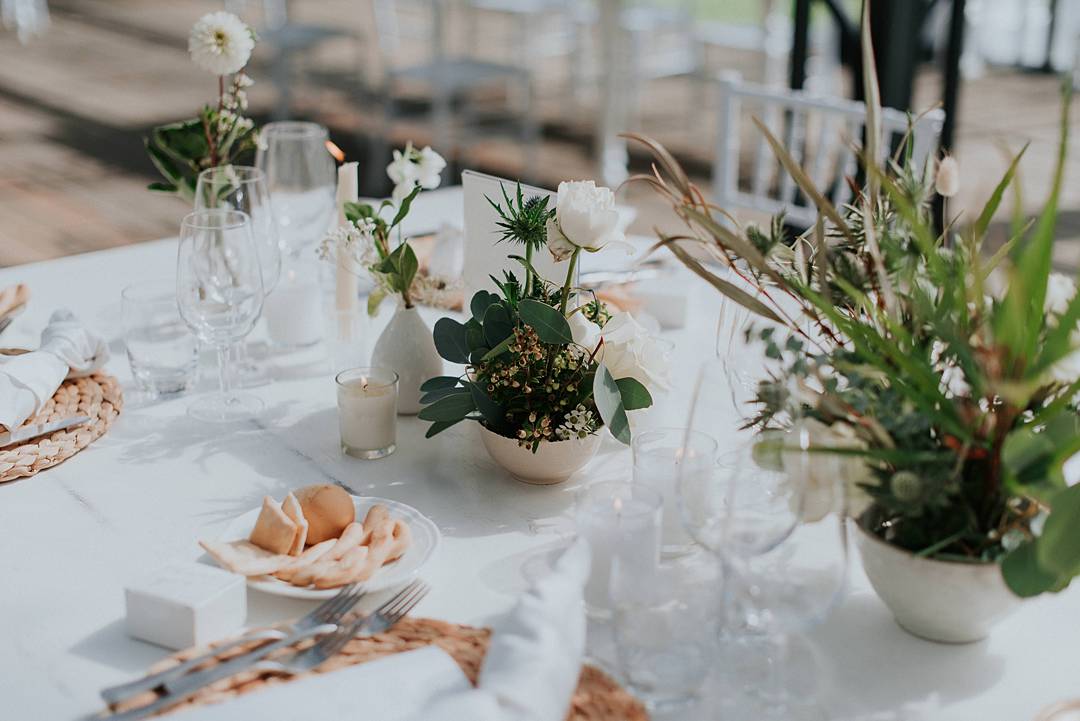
{"x": 621, "y": 520}
{"x": 664, "y": 458}
{"x": 367, "y": 411}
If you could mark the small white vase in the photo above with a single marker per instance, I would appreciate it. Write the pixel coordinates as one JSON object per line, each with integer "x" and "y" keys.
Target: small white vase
{"x": 406, "y": 347}
{"x": 948, "y": 602}
{"x": 553, "y": 462}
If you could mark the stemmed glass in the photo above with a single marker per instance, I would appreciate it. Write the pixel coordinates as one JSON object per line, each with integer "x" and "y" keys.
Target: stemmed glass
{"x": 242, "y": 187}
{"x": 219, "y": 292}
{"x": 300, "y": 177}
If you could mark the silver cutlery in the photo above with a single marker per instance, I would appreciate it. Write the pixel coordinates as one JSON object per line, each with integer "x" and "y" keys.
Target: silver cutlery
{"x": 327, "y": 612}
{"x": 39, "y": 429}
{"x": 381, "y": 620}
{"x": 183, "y": 687}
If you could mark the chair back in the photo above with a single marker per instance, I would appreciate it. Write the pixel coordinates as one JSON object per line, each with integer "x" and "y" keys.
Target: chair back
{"x": 819, "y": 132}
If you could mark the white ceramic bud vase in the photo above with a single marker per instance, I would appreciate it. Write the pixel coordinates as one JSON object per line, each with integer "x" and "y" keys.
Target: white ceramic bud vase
{"x": 406, "y": 347}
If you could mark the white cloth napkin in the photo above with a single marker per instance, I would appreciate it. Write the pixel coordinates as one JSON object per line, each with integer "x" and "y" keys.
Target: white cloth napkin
{"x": 68, "y": 350}
{"x": 529, "y": 674}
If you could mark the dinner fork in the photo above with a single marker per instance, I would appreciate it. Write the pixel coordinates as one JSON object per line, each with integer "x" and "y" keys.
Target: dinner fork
{"x": 384, "y": 618}
{"x": 187, "y": 686}
{"x": 330, "y": 611}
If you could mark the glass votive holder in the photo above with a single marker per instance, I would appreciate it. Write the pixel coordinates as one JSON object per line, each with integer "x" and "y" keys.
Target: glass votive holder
{"x": 666, "y": 623}
{"x": 367, "y": 411}
{"x": 622, "y": 520}
{"x": 661, "y": 458}
{"x": 162, "y": 351}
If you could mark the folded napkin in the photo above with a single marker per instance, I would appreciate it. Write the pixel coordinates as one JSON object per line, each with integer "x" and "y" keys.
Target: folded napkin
{"x": 27, "y": 381}
{"x": 529, "y": 674}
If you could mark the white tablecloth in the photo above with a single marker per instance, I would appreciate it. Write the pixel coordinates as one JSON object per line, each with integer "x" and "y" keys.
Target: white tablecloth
{"x": 144, "y": 493}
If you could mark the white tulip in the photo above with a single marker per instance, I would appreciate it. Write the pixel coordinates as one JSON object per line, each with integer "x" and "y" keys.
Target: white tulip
{"x": 947, "y": 182}
{"x": 220, "y": 43}
{"x": 585, "y": 218}
{"x": 629, "y": 351}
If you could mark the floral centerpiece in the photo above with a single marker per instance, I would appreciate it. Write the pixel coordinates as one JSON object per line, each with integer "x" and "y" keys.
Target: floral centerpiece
{"x": 948, "y": 373}
{"x": 220, "y": 43}
{"x": 547, "y": 366}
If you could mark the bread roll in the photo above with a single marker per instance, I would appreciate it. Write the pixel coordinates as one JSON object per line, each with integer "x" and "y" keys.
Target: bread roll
{"x": 328, "y": 510}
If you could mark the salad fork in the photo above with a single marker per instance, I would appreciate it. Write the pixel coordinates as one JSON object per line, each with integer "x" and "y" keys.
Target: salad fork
{"x": 328, "y": 612}
{"x": 384, "y": 618}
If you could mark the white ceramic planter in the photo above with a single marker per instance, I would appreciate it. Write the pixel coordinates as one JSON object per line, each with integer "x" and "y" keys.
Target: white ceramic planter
{"x": 553, "y": 462}
{"x": 406, "y": 347}
{"x": 936, "y": 600}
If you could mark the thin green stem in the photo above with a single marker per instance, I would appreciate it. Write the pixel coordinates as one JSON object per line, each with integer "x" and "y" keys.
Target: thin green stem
{"x": 528, "y": 270}
{"x": 569, "y": 279}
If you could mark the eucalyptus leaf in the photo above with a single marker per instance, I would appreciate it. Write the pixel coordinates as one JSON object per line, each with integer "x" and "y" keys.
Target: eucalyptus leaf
{"x": 635, "y": 395}
{"x": 451, "y": 340}
{"x": 480, "y": 302}
{"x": 493, "y": 413}
{"x": 450, "y": 408}
{"x": 550, "y": 325}
{"x": 497, "y": 325}
{"x": 1023, "y": 574}
{"x": 609, "y": 402}
{"x": 497, "y": 350}
{"x": 439, "y": 383}
{"x": 440, "y": 426}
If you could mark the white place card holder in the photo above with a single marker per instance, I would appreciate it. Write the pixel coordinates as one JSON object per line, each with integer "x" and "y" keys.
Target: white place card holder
{"x": 484, "y": 255}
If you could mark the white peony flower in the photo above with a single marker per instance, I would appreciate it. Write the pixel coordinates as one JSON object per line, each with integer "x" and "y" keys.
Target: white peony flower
{"x": 947, "y": 182}
{"x": 629, "y": 351}
{"x": 220, "y": 43}
{"x": 585, "y": 217}
{"x": 585, "y": 332}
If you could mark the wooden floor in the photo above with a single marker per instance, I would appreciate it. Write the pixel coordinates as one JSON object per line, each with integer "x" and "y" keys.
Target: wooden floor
{"x": 75, "y": 104}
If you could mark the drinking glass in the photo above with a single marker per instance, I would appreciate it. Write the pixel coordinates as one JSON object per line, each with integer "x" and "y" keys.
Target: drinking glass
{"x": 300, "y": 177}
{"x": 661, "y": 455}
{"x": 163, "y": 354}
{"x": 242, "y": 187}
{"x": 622, "y": 520}
{"x": 219, "y": 293}
{"x": 665, "y": 625}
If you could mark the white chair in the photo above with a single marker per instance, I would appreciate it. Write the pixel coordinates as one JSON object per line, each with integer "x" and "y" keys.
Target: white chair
{"x": 449, "y": 80}
{"x": 817, "y": 131}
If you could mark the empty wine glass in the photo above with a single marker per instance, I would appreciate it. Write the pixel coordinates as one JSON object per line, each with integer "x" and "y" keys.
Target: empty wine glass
{"x": 300, "y": 177}
{"x": 242, "y": 187}
{"x": 219, "y": 293}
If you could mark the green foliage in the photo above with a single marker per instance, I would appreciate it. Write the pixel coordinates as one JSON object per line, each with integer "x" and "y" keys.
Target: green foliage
{"x": 957, "y": 402}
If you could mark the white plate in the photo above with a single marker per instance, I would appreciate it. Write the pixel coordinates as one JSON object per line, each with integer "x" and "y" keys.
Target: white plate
{"x": 425, "y": 539}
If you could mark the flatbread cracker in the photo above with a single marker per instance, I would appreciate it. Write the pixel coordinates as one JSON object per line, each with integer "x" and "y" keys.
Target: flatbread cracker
{"x": 274, "y": 531}
{"x": 291, "y": 508}
{"x": 244, "y": 557}
{"x": 305, "y": 559}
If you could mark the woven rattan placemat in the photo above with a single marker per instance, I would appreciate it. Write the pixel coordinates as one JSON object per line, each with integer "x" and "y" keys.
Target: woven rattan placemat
{"x": 598, "y": 697}
{"x": 97, "y": 396}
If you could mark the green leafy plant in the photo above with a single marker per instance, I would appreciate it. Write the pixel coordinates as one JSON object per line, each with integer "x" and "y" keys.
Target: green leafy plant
{"x": 525, "y": 376}
{"x": 958, "y": 405}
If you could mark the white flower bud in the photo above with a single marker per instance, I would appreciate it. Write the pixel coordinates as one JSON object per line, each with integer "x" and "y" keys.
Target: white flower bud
{"x": 947, "y": 182}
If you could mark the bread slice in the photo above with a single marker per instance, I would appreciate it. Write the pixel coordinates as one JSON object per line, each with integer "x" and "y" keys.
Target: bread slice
{"x": 274, "y": 531}
{"x": 244, "y": 557}
{"x": 291, "y": 507}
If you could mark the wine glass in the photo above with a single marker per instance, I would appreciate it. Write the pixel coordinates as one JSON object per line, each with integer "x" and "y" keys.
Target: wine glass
{"x": 219, "y": 292}
{"x": 300, "y": 177}
{"x": 242, "y": 187}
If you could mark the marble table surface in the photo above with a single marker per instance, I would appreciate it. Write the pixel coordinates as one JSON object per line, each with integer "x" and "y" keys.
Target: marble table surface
{"x": 142, "y": 495}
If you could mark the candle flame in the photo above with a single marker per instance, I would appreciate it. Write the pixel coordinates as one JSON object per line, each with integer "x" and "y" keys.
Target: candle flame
{"x": 338, "y": 153}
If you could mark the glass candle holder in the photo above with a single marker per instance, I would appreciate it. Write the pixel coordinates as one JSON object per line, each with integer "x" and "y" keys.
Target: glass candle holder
{"x": 367, "y": 411}
{"x": 661, "y": 457}
{"x": 622, "y": 520}
{"x": 163, "y": 353}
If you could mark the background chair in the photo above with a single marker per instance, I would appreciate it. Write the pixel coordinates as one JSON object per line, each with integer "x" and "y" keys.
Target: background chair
{"x": 817, "y": 131}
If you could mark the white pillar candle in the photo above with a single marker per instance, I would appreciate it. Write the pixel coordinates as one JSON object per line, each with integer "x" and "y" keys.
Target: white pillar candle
{"x": 617, "y": 519}
{"x": 367, "y": 411}
{"x": 346, "y": 301}
{"x": 293, "y": 315}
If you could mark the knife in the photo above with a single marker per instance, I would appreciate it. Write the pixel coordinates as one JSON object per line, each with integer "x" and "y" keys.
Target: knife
{"x": 39, "y": 429}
